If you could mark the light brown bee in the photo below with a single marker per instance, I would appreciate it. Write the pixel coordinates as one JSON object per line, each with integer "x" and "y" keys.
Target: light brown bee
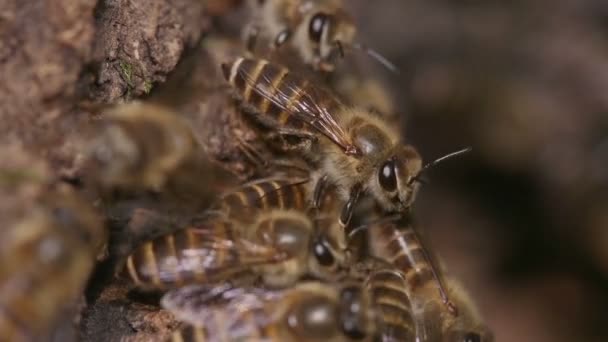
{"x": 397, "y": 242}
{"x": 316, "y": 30}
{"x": 350, "y": 147}
{"x": 280, "y": 246}
{"x": 441, "y": 313}
{"x": 148, "y": 147}
{"x": 262, "y": 230}
{"x": 310, "y": 311}
{"x": 49, "y": 242}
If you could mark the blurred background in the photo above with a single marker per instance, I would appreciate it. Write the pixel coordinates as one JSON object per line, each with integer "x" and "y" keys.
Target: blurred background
{"x": 522, "y": 221}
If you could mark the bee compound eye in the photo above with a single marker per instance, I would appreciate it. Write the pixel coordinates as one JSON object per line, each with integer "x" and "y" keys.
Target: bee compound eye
{"x": 323, "y": 254}
{"x": 317, "y": 24}
{"x": 387, "y": 176}
{"x": 471, "y": 337}
{"x": 282, "y": 37}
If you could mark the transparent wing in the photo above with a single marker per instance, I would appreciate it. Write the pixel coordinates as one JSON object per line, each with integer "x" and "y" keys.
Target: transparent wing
{"x": 237, "y": 307}
{"x": 199, "y": 255}
{"x": 313, "y": 107}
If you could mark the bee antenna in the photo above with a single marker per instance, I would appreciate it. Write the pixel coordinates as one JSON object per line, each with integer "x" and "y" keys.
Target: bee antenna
{"x": 437, "y": 161}
{"x": 377, "y": 56}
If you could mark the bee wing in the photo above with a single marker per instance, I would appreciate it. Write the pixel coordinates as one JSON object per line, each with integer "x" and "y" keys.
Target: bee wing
{"x": 314, "y": 106}
{"x": 199, "y": 305}
{"x": 197, "y": 255}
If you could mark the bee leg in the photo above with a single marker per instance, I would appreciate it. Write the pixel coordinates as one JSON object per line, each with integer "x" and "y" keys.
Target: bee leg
{"x": 251, "y": 153}
{"x": 349, "y": 206}
{"x": 319, "y": 192}
{"x": 291, "y": 139}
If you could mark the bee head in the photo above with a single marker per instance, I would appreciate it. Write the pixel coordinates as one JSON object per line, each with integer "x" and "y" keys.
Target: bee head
{"x": 328, "y": 32}
{"x": 396, "y": 178}
{"x": 399, "y": 176}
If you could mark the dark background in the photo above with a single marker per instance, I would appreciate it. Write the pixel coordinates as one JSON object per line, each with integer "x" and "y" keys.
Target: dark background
{"x": 522, "y": 221}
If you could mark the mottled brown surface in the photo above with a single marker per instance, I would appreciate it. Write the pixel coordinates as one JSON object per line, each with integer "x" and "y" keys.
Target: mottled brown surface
{"x": 139, "y": 42}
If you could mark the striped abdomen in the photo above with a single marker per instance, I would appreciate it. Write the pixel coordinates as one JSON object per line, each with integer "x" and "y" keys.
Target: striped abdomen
{"x": 264, "y": 195}
{"x": 390, "y": 299}
{"x": 205, "y": 253}
{"x": 400, "y": 246}
{"x": 277, "y": 97}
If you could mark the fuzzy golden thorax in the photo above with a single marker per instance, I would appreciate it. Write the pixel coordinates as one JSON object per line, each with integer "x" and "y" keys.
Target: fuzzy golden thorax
{"x": 385, "y": 169}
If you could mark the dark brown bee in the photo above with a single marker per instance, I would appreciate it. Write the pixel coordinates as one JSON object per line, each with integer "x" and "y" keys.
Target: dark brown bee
{"x": 310, "y": 311}
{"x": 351, "y": 148}
{"x": 49, "y": 244}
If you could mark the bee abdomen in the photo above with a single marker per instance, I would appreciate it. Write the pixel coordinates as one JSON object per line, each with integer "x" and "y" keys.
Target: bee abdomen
{"x": 178, "y": 258}
{"x": 403, "y": 249}
{"x": 390, "y": 298}
{"x": 275, "y": 194}
{"x": 273, "y": 93}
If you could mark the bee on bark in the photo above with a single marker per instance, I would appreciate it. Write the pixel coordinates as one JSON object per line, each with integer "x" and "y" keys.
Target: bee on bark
{"x": 318, "y": 31}
{"x": 280, "y": 247}
{"x": 145, "y": 146}
{"x": 263, "y": 230}
{"x": 310, "y": 311}
{"x": 49, "y": 243}
{"x": 349, "y": 147}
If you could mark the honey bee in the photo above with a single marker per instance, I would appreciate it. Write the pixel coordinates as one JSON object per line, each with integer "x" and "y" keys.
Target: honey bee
{"x": 441, "y": 313}
{"x": 397, "y": 242}
{"x": 318, "y": 31}
{"x": 146, "y": 146}
{"x": 279, "y": 242}
{"x": 353, "y": 149}
{"x": 310, "y": 311}
{"x": 49, "y": 243}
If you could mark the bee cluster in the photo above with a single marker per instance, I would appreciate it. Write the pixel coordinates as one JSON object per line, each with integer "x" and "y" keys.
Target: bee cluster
{"x": 305, "y": 236}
